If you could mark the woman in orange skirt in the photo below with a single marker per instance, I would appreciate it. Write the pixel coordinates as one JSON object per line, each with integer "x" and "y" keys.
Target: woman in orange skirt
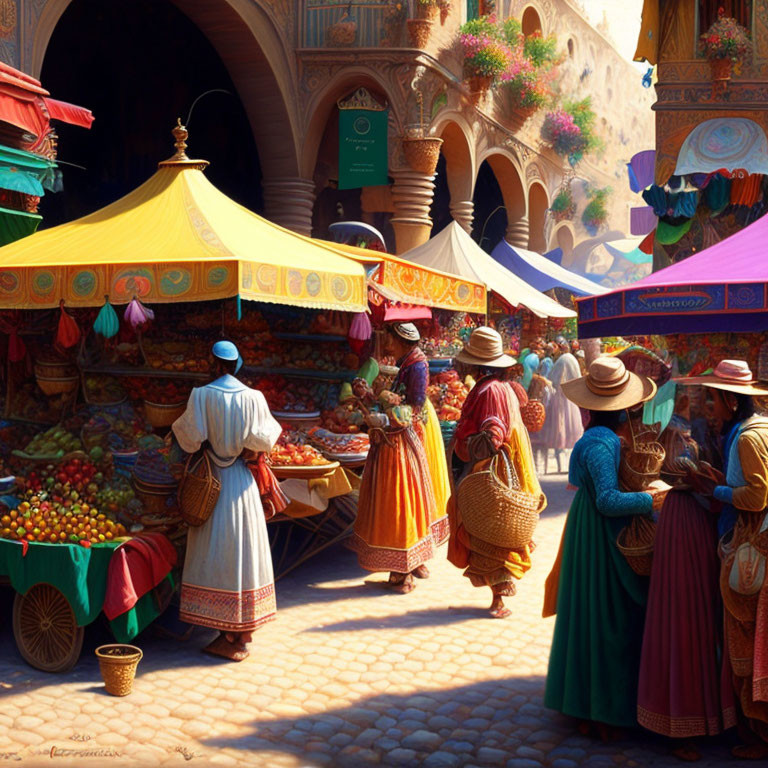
{"x": 398, "y": 525}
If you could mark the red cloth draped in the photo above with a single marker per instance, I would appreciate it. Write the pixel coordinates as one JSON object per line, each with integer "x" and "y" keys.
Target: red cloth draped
{"x": 487, "y": 408}
{"x": 135, "y": 568}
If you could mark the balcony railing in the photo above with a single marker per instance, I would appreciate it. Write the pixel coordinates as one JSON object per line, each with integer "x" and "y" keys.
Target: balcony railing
{"x": 325, "y": 26}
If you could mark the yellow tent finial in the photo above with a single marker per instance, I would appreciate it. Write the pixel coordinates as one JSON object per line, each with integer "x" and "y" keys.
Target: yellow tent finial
{"x": 181, "y": 134}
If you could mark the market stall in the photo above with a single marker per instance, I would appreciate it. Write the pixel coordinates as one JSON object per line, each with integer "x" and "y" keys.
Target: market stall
{"x": 90, "y": 390}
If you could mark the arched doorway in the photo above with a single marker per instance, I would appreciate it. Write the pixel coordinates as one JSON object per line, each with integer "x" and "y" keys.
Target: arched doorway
{"x": 531, "y": 21}
{"x": 563, "y": 239}
{"x": 538, "y": 203}
{"x": 453, "y": 182}
{"x": 140, "y": 64}
{"x": 500, "y": 204}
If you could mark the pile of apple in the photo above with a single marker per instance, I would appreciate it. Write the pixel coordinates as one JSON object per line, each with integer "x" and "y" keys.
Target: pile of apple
{"x": 447, "y": 393}
{"x": 59, "y": 506}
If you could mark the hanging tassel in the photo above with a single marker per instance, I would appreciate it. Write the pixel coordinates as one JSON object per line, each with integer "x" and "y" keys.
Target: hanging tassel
{"x": 360, "y": 331}
{"x": 107, "y": 322}
{"x": 137, "y": 314}
{"x": 68, "y": 332}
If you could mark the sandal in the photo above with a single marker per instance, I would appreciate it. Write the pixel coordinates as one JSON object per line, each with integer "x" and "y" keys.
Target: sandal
{"x": 222, "y": 648}
{"x": 402, "y": 583}
{"x": 422, "y": 572}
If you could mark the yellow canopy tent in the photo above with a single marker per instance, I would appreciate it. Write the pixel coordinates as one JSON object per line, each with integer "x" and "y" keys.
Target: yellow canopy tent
{"x": 401, "y": 280}
{"x": 177, "y": 238}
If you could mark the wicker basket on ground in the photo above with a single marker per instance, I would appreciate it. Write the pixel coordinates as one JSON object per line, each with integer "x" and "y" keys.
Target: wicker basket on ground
{"x": 117, "y": 664}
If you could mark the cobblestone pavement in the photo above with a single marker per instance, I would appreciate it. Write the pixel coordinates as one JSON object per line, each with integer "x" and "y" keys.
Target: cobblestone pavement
{"x": 349, "y": 675}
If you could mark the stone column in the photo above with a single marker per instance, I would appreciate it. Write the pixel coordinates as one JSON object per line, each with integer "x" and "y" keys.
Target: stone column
{"x": 289, "y": 202}
{"x": 412, "y": 195}
{"x": 518, "y": 232}
{"x": 463, "y": 211}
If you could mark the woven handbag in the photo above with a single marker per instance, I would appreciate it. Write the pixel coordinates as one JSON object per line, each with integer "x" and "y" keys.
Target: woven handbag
{"x": 494, "y": 508}
{"x": 636, "y": 542}
{"x": 199, "y": 489}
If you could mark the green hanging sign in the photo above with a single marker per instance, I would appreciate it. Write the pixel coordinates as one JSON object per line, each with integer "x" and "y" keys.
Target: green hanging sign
{"x": 363, "y": 152}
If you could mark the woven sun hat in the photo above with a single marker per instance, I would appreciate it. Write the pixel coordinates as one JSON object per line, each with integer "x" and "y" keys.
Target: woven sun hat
{"x": 609, "y": 386}
{"x": 731, "y": 376}
{"x": 406, "y": 331}
{"x": 485, "y": 348}
{"x": 226, "y": 350}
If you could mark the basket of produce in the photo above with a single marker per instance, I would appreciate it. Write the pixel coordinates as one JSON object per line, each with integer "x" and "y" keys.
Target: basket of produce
{"x": 57, "y": 386}
{"x": 53, "y": 445}
{"x": 117, "y": 664}
{"x": 533, "y": 415}
{"x": 635, "y": 542}
{"x": 105, "y": 391}
{"x": 289, "y": 459}
{"x": 641, "y": 460}
{"x": 162, "y": 414}
{"x": 55, "y": 369}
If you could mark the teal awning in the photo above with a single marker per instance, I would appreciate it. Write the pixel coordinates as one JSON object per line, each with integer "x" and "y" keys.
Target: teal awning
{"x": 26, "y": 172}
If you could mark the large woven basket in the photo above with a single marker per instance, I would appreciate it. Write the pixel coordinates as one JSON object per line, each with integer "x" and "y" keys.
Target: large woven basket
{"x": 641, "y": 460}
{"x": 199, "y": 490}
{"x": 57, "y": 386}
{"x": 636, "y": 542}
{"x": 422, "y": 153}
{"x": 117, "y": 663}
{"x": 493, "y": 507}
{"x": 161, "y": 415}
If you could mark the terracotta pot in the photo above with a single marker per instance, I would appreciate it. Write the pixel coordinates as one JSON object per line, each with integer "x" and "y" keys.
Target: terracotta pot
{"x": 516, "y": 116}
{"x": 478, "y": 85}
{"x": 427, "y": 11}
{"x": 721, "y": 69}
{"x": 419, "y": 32}
{"x": 422, "y": 154}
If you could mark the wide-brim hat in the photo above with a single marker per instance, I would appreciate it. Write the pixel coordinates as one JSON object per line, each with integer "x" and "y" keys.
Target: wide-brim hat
{"x": 730, "y": 376}
{"x": 485, "y": 348}
{"x": 406, "y": 331}
{"x": 609, "y": 386}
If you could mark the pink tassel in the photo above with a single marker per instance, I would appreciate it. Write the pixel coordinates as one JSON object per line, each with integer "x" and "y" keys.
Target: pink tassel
{"x": 360, "y": 329}
{"x": 136, "y": 314}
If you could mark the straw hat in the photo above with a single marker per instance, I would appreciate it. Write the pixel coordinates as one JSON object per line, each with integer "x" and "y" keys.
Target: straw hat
{"x": 731, "y": 376}
{"x": 485, "y": 348}
{"x": 608, "y": 386}
{"x": 406, "y": 331}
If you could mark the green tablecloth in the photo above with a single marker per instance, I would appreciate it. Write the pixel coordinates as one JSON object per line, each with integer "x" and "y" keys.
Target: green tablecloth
{"x": 80, "y": 574}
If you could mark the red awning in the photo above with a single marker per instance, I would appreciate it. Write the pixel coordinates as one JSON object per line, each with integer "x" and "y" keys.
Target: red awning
{"x": 69, "y": 113}
{"x": 25, "y": 114}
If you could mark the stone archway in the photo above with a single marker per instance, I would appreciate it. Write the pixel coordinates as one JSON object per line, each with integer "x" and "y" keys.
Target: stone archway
{"x": 563, "y": 238}
{"x": 505, "y": 191}
{"x": 538, "y": 204}
{"x": 456, "y": 172}
{"x": 252, "y": 51}
{"x": 531, "y": 21}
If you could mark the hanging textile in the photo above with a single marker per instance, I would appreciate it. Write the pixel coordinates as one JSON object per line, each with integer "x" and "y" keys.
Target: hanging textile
{"x": 641, "y": 220}
{"x": 746, "y": 190}
{"x": 717, "y": 193}
{"x": 641, "y": 169}
{"x": 656, "y": 197}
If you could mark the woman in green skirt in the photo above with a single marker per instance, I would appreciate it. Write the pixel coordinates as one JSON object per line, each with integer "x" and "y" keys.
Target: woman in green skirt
{"x": 599, "y": 600}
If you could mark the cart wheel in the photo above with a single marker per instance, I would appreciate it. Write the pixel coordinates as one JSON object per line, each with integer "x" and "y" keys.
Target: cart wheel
{"x": 44, "y": 626}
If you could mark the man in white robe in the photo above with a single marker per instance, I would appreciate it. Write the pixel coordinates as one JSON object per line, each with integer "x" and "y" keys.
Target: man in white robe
{"x": 227, "y": 581}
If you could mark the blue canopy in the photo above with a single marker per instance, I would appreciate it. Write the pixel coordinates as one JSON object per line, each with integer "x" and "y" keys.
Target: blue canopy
{"x": 541, "y": 273}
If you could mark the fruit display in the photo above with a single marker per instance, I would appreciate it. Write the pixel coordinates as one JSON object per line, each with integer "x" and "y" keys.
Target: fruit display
{"x": 447, "y": 334}
{"x": 346, "y": 419}
{"x": 54, "y": 442}
{"x": 292, "y": 455}
{"x": 103, "y": 390}
{"x": 265, "y": 352}
{"x": 62, "y": 505}
{"x": 161, "y": 391}
{"x": 294, "y": 397}
{"x": 447, "y": 393}
{"x": 332, "y": 444}
{"x": 192, "y": 356}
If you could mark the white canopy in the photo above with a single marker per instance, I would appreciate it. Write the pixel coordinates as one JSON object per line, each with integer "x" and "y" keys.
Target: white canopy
{"x": 454, "y": 251}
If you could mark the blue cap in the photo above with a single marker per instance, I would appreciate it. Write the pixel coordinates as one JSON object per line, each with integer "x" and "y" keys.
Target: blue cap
{"x": 226, "y": 350}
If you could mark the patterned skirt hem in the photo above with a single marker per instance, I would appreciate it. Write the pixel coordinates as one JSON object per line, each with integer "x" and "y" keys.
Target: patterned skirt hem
{"x": 377, "y": 559}
{"x": 686, "y": 727}
{"x": 440, "y": 531}
{"x": 500, "y": 580}
{"x": 225, "y": 626}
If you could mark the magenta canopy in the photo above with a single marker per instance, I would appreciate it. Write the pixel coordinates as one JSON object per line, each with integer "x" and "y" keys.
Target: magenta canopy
{"x": 723, "y": 288}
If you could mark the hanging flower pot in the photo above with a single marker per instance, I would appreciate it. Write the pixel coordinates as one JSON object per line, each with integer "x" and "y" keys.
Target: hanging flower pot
{"x": 419, "y": 32}
{"x": 422, "y": 154}
{"x": 478, "y": 86}
{"x": 721, "y": 69}
{"x": 445, "y": 9}
{"x": 427, "y": 9}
